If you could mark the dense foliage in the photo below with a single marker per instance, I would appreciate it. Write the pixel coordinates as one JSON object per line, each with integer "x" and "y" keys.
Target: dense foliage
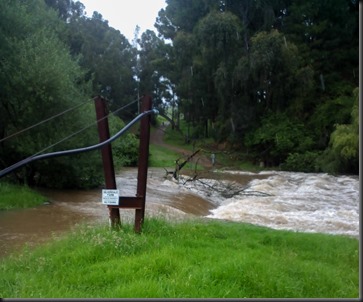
{"x": 273, "y": 78}
{"x": 276, "y": 79}
{"x": 46, "y": 68}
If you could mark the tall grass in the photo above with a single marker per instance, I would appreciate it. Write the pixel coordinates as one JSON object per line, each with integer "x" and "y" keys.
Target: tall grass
{"x": 15, "y": 197}
{"x": 197, "y": 259}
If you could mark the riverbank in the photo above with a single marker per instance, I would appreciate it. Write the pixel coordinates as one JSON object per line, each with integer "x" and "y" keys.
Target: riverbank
{"x": 18, "y": 197}
{"x": 200, "y": 258}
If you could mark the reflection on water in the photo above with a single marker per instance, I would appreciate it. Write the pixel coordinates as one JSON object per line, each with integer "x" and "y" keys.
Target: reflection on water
{"x": 280, "y": 200}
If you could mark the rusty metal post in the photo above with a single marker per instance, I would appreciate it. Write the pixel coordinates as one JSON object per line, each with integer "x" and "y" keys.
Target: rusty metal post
{"x": 106, "y": 151}
{"x": 143, "y": 161}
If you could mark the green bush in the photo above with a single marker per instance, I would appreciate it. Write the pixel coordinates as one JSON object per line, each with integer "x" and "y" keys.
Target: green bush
{"x": 125, "y": 149}
{"x": 301, "y": 162}
{"x": 75, "y": 171}
{"x": 278, "y": 136}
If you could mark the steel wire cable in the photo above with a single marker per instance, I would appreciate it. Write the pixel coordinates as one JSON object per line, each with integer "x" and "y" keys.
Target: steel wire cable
{"x": 69, "y": 136}
{"x": 79, "y": 150}
{"x": 43, "y": 121}
{"x": 83, "y": 129}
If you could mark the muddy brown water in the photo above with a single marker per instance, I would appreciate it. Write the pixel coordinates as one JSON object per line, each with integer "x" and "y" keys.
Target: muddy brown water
{"x": 68, "y": 208}
{"x": 302, "y": 202}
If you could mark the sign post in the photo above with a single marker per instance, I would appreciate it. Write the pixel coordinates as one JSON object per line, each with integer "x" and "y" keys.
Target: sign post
{"x": 110, "y": 195}
{"x": 106, "y": 151}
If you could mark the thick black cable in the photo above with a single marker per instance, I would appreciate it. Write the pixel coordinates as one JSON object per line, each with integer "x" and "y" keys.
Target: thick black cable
{"x": 76, "y": 151}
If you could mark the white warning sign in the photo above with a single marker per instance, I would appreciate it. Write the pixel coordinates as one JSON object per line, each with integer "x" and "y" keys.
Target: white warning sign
{"x": 110, "y": 197}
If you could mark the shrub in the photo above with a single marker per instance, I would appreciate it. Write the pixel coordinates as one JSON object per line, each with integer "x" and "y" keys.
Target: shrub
{"x": 124, "y": 149}
{"x": 301, "y": 162}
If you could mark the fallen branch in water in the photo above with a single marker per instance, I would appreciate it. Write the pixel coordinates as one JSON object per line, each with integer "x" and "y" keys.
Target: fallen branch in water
{"x": 229, "y": 191}
{"x": 180, "y": 166}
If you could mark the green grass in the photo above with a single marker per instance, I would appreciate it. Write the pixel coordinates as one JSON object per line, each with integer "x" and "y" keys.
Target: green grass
{"x": 16, "y": 197}
{"x": 162, "y": 157}
{"x": 228, "y": 159}
{"x": 197, "y": 259}
{"x": 175, "y": 138}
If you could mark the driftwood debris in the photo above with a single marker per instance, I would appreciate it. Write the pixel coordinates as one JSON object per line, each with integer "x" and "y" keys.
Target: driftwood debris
{"x": 225, "y": 190}
{"x": 179, "y": 166}
{"x": 232, "y": 189}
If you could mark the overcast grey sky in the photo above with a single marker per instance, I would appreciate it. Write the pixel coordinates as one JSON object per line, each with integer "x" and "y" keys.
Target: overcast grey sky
{"x": 124, "y": 15}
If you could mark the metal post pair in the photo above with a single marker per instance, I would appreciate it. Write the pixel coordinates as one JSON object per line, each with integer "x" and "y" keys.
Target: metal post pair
{"x": 137, "y": 202}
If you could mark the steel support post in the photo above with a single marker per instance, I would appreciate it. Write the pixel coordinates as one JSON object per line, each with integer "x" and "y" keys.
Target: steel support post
{"x": 146, "y": 104}
{"x": 106, "y": 151}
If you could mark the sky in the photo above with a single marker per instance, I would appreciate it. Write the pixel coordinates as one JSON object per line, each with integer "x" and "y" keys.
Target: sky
{"x": 124, "y": 15}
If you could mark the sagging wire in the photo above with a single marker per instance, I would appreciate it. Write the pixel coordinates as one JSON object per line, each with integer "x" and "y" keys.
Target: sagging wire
{"x": 79, "y": 150}
{"x": 84, "y": 129}
{"x": 43, "y": 121}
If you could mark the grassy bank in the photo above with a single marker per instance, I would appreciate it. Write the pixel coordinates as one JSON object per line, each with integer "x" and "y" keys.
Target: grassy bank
{"x": 162, "y": 157}
{"x": 17, "y": 197}
{"x": 200, "y": 258}
{"x": 228, "y": 159}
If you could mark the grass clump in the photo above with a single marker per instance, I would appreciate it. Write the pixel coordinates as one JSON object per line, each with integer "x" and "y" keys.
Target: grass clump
{"x": 190, "y": 259}
{"x": 17, "y": 197}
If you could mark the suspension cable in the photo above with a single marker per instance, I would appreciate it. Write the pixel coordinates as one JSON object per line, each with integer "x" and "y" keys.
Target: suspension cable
{"x": 43, "y": 121}
{"x": 83, "y": 129}
{"x": 76, "y": 151}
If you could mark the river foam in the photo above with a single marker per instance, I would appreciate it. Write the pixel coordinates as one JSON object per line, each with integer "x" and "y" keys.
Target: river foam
{"x": 307, "y": 202}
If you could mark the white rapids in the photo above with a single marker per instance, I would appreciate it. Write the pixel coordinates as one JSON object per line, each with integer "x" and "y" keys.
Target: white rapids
{"x": 306, "y": 202}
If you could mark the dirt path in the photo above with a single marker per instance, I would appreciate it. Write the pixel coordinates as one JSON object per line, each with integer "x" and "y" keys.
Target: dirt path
{"x": 202, "y": 158}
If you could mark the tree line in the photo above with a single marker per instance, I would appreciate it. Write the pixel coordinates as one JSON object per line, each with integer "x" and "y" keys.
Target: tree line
{"x": 276, "y": 79}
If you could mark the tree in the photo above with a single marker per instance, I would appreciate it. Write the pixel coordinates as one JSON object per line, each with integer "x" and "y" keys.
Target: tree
{"x": 218, "y": 37}
{"x": 278, "y": 71}
{"x": 327, "y": 34}
{"x": 66, "y": 9}
{"x": 343, "y": 151}
{"x": 106, "y": 55}
{"x": 278, "y": 136}
{"x": 182, "y": 16}
{"x": 39, "y": 80}
{"x": 237, "y": 64}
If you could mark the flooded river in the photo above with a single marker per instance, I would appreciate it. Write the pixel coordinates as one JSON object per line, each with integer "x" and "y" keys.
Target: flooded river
{"x": 304, "y": 202}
